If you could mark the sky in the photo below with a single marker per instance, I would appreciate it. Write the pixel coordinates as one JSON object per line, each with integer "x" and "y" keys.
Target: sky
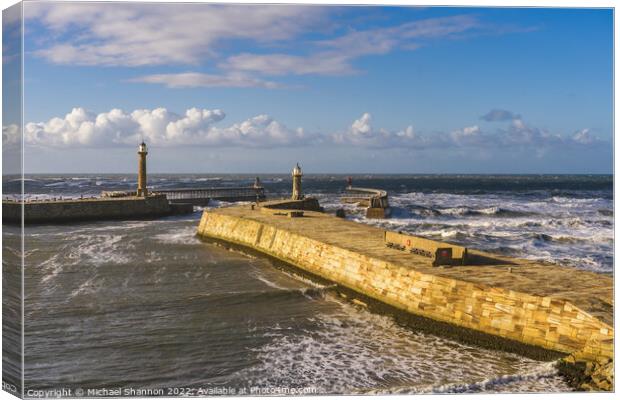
{"x": 257, "y": 88}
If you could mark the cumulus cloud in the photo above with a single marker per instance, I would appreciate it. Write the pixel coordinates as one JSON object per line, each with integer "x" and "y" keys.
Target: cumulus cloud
{"x": 467, "y": 136}
{"x": 160, "y": 127}
{"x": 518, "y": 134}
{"x": 11, "y": 136}
{"x": 362, "y": 133}
{"x": 585, "y": 137}
{"x": 201, "y": 127}
{"x": 499, "y": 115}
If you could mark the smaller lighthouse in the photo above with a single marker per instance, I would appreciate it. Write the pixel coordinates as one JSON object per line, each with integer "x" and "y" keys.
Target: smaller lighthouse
{"x": 142, "y": 152}
{"x": 297, "y": 174}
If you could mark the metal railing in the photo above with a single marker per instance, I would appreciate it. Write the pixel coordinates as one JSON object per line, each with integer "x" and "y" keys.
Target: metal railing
{"x": 213, "y": 193}
{"x": 229, "y": 194}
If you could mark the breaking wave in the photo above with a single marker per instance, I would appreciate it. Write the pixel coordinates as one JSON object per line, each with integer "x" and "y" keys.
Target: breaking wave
{"x": 573, "y": 231}
{"x": 355, "y": 351}
{"x": 540, "y": 378}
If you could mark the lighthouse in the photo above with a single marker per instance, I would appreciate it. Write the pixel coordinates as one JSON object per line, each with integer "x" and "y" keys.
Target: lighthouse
{"x": 142, "y": 190}
{"x": 297, "y": 174}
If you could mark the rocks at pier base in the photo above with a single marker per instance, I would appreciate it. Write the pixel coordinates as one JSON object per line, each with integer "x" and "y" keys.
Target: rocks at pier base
{"x": 588, "y": 375}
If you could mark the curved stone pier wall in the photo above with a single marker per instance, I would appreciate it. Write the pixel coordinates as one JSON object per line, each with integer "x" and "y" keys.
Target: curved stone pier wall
{"x": 546, "y": 322}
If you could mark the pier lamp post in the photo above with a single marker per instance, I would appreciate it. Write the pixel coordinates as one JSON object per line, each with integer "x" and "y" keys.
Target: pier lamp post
{"x": 297, "y": 174}
{"x": 142, "y": 152}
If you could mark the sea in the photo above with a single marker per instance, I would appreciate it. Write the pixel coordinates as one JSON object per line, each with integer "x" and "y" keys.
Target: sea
{"x": 145, "y": 305}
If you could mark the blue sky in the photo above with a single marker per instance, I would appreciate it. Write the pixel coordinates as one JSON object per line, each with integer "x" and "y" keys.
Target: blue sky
{"x": 339, "y": 89}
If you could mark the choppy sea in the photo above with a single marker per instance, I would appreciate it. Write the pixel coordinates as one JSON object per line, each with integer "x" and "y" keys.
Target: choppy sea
{"x": 145, "y": 304}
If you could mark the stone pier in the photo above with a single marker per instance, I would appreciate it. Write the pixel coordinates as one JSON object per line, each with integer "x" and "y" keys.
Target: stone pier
{"x": 537, "y": 304}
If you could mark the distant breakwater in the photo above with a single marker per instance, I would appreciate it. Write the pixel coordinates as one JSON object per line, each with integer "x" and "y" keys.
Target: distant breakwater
{"x": 75, "y": 210}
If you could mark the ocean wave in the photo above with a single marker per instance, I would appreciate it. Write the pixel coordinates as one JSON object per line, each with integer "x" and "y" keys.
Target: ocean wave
{"x": 571, "y": 200}
{"x": 185, "y": 235}
{"x": 208, "y": 179}
{"x": 540, "y": 378}
{"x": 355, "y": 351}
{"x": 488, "y": 211}
{"x": 88, "y": 287}
{"x": 534, "y": 237}
{"x": 100, "y": 249}
{"x": 278, "y": 296}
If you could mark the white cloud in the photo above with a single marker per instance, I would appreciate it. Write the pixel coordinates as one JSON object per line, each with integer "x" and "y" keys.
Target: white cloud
{"x": 194, "y": 34}
{"x": 284, "y": 64}
{"x": 263, "y": 130}
{"x": 382, "y": 40}
{"x": 518, "y": 134}
{"x": 468, "y": 136}
{"x": 158, "y": 33}
{"x": 521, "y": 134}
{"x": 194, "y": 79}
{"x": 334, "y": 56}
{"x": 160, "y": 127}
{"x": 584, "y": 136}
{"x": 362, "y": 126}
{"x": 361, "y": 133}
{"x": 11, "y": 136}
{"x": 199, "y": 127}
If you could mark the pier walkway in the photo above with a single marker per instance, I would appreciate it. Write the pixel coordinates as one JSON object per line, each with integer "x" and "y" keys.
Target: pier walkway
{"x": 202, "y": 196}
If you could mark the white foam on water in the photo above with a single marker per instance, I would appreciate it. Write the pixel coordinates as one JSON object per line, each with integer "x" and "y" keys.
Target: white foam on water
{"x": 99, "y": 249}
{"x": 282, "y": 280}
{"x": 52, "y": 267}
{"x": 270, "y": 283}
{"x": 355, "y": 351}
{"x": 208, "y": 179}
{"x": 90, "y": 286}
{"x": 539, "y": 379}
{"x": 563, "y": 230}
{"x": 185, "y": 235}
